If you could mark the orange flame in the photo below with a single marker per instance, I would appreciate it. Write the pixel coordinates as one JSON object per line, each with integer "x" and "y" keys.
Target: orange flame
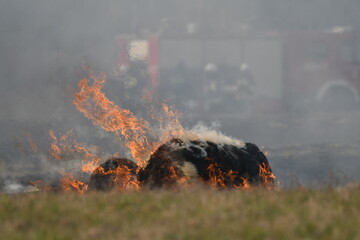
{"x": 54, "y": 148}
{"x": 266, "y": 174}
{"x": 245, "y": 184}
{"x": 216, "y": 176}
{"x": 172, "y": 119}
{"x": 65, "y": 146}
{"x": 174, "y": 176}
{"x": 220, "y": 178}
{"x": 69, "y": 183}
{"x": 91, "y": 101}
{"x": 134, "y": 133}
{"x": 123, "y": 178}
{"x": 33, "y": 146}
{"x": 90, "y": 160}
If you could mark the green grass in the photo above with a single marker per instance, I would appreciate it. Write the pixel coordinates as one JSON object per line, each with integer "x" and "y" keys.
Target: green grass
{"x": 192, "y": 214}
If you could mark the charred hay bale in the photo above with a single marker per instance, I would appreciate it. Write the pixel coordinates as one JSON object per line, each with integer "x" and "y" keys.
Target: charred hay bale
{"x": 221, "y": 164}
{"x": 120, "y": 173}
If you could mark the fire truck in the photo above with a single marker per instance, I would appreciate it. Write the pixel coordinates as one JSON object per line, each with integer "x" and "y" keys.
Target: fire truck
{"x": 292, "y": 70}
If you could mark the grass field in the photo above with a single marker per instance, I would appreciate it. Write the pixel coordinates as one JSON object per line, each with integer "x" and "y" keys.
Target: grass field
{"x": 192, "y": 214}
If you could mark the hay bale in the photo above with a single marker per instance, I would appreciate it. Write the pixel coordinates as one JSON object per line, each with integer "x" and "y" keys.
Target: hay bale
{"x": 220, "y": 164}
{"x": 180, "y": 162}
{"x": 118, "y": 173}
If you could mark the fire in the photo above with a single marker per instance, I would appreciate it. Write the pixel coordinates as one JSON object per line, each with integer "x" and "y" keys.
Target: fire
{"x": 222, "y": 179}
{"x": 138, "y": 136}
{"x": 90, "y": 160}
{"x": 245, "y": 184}
{"x": 54, "y": 148}
{"x": 92, "y": 102}
{"x": 174, "y": 127}
{"x": 33, "y": 146}
{"x": 123, "y": 179}
{"x": 89, "y": 167}
{"x": 69, "y": 183}
{"x": 266, "y": 174}
{"x": 66, "y": 146}
{"x": 217, "y": 177}
{"x": 134, "y": 132}
{"x": 63, "y": 146}
{"x": 175, "y": 176}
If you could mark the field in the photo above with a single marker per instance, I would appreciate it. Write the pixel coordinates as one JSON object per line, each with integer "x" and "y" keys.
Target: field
{"x": 332, "y": 213}
{"x": 316, "y": 199}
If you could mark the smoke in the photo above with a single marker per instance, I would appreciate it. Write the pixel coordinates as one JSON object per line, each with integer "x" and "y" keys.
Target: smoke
{"x": 213, "y": 134}
{"x": 44, "y": 44}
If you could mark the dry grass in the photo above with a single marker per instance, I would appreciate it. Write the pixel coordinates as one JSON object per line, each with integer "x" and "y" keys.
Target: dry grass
{"x": 193, "y": 214}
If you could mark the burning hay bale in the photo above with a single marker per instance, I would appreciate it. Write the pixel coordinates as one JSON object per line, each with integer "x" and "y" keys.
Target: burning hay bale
{"x": 220, "y": 164}
{"x": 198, "y": 154}
{"x": 179, "y": 162}
{"x": 119, "y": 173}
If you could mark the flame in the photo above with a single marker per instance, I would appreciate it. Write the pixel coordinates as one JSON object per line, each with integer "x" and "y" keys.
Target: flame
{"x": 69, "y": 183}
{"x": 93, "y": 103}
{"x": 266, "y": 174}
{"x": 123, "y": 180}
{"x": 216, "y": 176}
{"x": 245, "y": 184}
{"x": 54, "y": 148}
{"x": 221, "y": 178}
{"x": 33, "y": 146}
{"x": 174, "y": 128}
{"x": 64, "y": 147}
{"x": 134, "y": 133}
{"x": 67, "y": 142}
{"x": 90, "y": 160}
{"x": 175, "y": 176}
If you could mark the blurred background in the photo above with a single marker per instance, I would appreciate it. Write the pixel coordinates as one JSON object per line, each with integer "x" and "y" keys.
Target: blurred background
{"x": 282, "y": 74}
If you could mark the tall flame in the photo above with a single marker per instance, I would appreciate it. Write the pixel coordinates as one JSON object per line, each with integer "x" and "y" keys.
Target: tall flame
{"x": 137, "y": 135}
{"x": 134, "y": 132}
{"x": 93, "y": 103}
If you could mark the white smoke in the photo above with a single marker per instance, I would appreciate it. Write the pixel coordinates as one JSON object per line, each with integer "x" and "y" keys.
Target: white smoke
{"x": 212, "y": 133}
